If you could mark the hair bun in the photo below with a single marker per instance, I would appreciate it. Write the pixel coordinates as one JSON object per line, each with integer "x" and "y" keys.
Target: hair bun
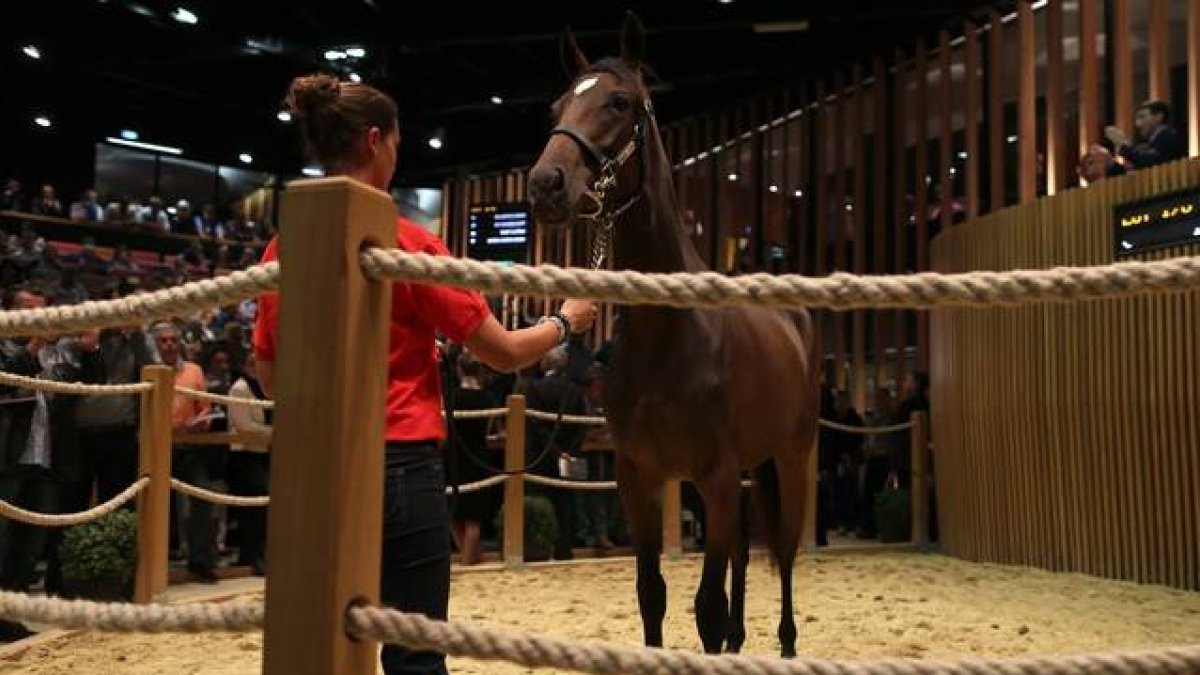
{"x": 311, "y": 94}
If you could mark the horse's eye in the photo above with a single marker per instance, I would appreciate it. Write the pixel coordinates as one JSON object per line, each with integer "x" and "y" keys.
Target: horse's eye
{"x": 620, "y": 104}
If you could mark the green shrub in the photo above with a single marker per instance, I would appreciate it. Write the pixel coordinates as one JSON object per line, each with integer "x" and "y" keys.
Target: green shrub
{"x": 541, "y": 527}
{"x": 893, "y": 515}
{"x": 102, "y": 550}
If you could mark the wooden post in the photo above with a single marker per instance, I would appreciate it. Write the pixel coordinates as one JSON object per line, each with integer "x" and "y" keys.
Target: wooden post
{"x": 672, "y": 513}
{"x": 154, "y": 503}
{"x": 514, "y": 487}
{"x": 809, "y": 537}
{"x": 919, "y": 439}
{"x": 327, "y": 469}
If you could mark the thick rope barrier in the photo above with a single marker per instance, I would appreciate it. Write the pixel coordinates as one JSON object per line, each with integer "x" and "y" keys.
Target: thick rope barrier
{"x": 484, "y": 413}
{"x": 571, "y": 484}
{"x": 567, "y": 419}
{"x": 13, "y": 512}
{"x": 866, "y": 431}
{"x": 225, "y": 400}
{"x": 479, "y": 484}
{"x": 926, "y": 290}
{"x": 38, "y": 384}
{"x": 539, "y": 651}
{"x": 139, "y": 309}
{"x": 217, "y": 497}
{"x": 227, "y": 617}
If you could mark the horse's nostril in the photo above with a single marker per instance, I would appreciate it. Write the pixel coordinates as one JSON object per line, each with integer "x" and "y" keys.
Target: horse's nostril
{"x": 559, "y": 180}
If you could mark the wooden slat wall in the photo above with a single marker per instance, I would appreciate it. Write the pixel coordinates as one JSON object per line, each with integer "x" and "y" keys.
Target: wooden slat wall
{"x": 1100, "y": 476}
{"x": 945, "y": 129}
{"x": 1091, "y": 115}
{"x": 921, "y": 117}
{"x": 1122, "y": 32}
{"x": 1056, "y": 156}
{"x": 1027, "y": 105}
{"x": 859, "y": 113}
{"x": 880, "y": 206}
{"x": 971, "y": 115}
{"x": 840, "y": 134}
{"x": 901, "y": 188}
{"x": 996, "y": 134}
{"x": 1159, "y": 43}
{"x": 1193, "y": 76}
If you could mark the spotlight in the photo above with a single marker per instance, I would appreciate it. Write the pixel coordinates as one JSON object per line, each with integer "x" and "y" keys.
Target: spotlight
{"x": 334, "y": 55}
{"x": 42, "y": 121}
{"x": 732, "y": 176}
{"x": 773, "y": 188}
{"x": 356, "y": 52}
{"x": 184, "y": 15}
{"x": 1012, "y": 139}
{"x": 246, "y": 158}
{"x": 129, "y": 134}
{"x": 798, "y": 194}
{"x": 283, "y": 116}
{"x": 312, "y": 171}
{"x": 497, "y": 100}
{"x": 962, "y": 155}
{"x": 355, "y": 77}
{"x": 32, "y": 51}
{"x": 435, "y": 142}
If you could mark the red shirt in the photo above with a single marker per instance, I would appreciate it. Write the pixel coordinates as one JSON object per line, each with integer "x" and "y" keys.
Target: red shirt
{"x": 414, "y": 396}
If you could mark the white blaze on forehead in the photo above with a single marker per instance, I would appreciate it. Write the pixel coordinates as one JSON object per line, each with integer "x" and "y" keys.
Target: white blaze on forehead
{"x": 586, "y": 84}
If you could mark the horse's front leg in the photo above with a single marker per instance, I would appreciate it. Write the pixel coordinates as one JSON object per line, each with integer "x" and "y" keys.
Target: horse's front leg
{"x": 642, "y": 497}
{"x": 736, "y": 633}
{"x": 721, "y": 493}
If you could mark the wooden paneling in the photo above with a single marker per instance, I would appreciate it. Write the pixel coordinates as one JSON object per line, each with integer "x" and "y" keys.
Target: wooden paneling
{"x": 921, "y": 183}
{"x": 902, "y": 208}
{"x": 971, "y": 117}
{"x": 879, "y": 211}
{"x": 1091, "y": 115}
{"x": 858, "y": 217}
{"x": 1100, "y": 474}
{"x": 1193, "y": 76}
{"x": 1122, "y": 84}
{"x": 1056, "y": 156}
{"x": 1027, "y": 161}
{"x": 1158, "y": 44}
{"x": 995, "y": 125}
{"x": 817, "y": 180}
{"x": 840, "y": 129}
{"x": 945, "y": 129}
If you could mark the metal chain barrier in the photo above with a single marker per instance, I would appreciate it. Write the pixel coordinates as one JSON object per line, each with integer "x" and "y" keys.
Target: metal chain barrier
{"x": 38, "y": 384}
{"x": 216, "y": 497}
{"x": 841, "y": 291}
{"x": 13, "y": 512}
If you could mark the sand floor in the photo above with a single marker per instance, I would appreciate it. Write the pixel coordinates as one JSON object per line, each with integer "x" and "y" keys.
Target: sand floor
{"x": 849, "y": 606}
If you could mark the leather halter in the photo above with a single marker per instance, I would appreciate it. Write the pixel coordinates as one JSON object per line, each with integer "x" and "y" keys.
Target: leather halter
{"x": 606, "y": 179}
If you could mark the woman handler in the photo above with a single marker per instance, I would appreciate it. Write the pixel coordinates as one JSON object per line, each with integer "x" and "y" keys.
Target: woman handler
{"x": 352, "y": 130}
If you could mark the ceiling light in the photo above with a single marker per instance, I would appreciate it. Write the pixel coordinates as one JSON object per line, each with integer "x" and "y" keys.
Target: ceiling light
{"x": 129, "y": 134}
{"x": 42, "y": 121}
{"x": 283, "y": 116}
{"x": 798, "y": 193}
{"x": 145, "y": 146}
{"x": 497, "y": 100}
{"x": 725, "y": 2}
{"x": 356, "y": 52}
{"x": 1012, "y": 139}
{"x": 184, "y": 15}
{"x": 172, "y": 210}
{"x": 963, "y": 155}
{"x": 953, "y": 171}
{"x": 334, "y": 55}
{"x": 246, "y": 158}
{"x": 141, "y": 9}
{"x": 849, "y": 207}
{"x": 355, "y": 77}
{"x": 312, "y": 171}
{"x": 32, "y": 51}
{"x": 773, "y": 188}
{"x": 435, "y": 142}
{"x": 732, "y": 176}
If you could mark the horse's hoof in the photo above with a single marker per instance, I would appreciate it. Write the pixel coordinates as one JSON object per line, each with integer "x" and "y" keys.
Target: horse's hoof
{"x": 788, "y": 653}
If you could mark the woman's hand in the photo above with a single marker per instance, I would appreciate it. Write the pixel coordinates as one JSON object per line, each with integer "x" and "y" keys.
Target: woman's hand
{"x": 581, "y": 314}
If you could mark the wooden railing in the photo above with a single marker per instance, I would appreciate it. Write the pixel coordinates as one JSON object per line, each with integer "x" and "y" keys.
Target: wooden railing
{"x": 1067, "y": 435}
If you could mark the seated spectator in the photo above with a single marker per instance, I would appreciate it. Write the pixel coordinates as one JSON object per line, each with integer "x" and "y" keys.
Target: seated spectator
{"x": 48, "y": 204}
{"x": 204, "y": 224}
{"x": 1098, "y": 164}
{"x": 155, "y": 215}
{"x": 70, "y": 290}
{"x": 13, "y": 198}
{"x": 249, "y": 258}
{"x": 1160, "y": 142}
{"x": 121, "y": 263}
{"x": 121, "y": 212}
{"x": 224, "y": 259}
{"x": 194, "y": 256}
{"x": 184, "y": 221}
{"x": 88, "y": 207}
{"x": 89, "y": 260}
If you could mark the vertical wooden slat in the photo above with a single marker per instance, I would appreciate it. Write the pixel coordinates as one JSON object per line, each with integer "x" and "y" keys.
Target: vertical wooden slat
{"x": 839, "y": 133}
{"x": 1090, "y": 112}
{"x": 154, "y": 502}
{"x": 858, "y": 128}
{"x": 1027, "y": 162}
{"x": 1056, "y": 156}
{"x": 879, "y": 204}
{"x": 1158, "y": 44}
{"x": 1122, "y": 32}
{"x": 514, "y": 487}
{"x": 817, "y": 180}
{"x": 971, "y": 117}
{"x": 901, "y": 225}
{"x": 922, "y": 182}
{"x": 804, "y": 185}
{"x": 1193, "y": 76}
{"x": 996, "y": 136}
{"x": 945, "y": 130}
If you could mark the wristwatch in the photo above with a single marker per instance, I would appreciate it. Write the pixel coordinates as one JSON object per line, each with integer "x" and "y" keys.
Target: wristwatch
{"x": 560, "y": 322}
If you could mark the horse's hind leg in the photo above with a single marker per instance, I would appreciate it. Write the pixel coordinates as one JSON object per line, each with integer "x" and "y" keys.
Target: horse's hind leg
{"x": 642, "y": 499}
{"x": 792, "y": 491}
{"x": 721, "y": 497}
{"x": 737, "y": 600}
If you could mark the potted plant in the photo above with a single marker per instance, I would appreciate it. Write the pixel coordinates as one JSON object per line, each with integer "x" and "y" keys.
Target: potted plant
{"x": 99, "y": 558}
{"x": 541, "y": 528}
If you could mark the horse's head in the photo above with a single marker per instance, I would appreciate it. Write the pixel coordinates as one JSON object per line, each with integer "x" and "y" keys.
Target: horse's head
{"x": 601, "y": 123}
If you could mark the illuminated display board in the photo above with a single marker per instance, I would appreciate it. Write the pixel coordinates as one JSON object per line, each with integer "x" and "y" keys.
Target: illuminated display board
{"x": 500, "y": 232}
{"x": 1160, "y": 222}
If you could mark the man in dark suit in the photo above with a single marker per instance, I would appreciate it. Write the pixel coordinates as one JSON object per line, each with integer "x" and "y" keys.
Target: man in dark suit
{"x": 1160, "y": 142}
{"x": 550, "y": 442}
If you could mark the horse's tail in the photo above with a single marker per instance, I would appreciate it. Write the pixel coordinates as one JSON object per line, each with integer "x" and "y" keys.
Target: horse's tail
{"x": 768, "y": 507}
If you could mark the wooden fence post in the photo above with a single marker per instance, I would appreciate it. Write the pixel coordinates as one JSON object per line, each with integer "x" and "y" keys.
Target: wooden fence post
{"x": 327, "y": 469}
{"x": 514, "y": 486}
{"x": 919, "y": 441}
{"x": 809, "y": 535}
{"x": 672, "y": 513}
{"x": 154, "y": 503}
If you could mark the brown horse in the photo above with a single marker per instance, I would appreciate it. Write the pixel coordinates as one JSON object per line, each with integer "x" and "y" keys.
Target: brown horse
{"x": 692, "y": 394}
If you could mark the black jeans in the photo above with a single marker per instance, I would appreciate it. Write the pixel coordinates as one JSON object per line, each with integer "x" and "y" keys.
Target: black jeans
{"x": 247, "y": 475}
{"x": 112, "y": 457}
{"x": 196, "y": 464}
{"x": 415, "y": 574}
{"x": 22, "y": 545}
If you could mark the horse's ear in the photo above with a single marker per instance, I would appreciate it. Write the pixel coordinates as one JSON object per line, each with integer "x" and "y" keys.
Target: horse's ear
{"x": 633, "y": 39}
{"x": 573, "y": 60}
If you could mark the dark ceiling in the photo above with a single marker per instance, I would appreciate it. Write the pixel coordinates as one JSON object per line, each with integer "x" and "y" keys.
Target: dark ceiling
{"x": 213, "y": 88}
